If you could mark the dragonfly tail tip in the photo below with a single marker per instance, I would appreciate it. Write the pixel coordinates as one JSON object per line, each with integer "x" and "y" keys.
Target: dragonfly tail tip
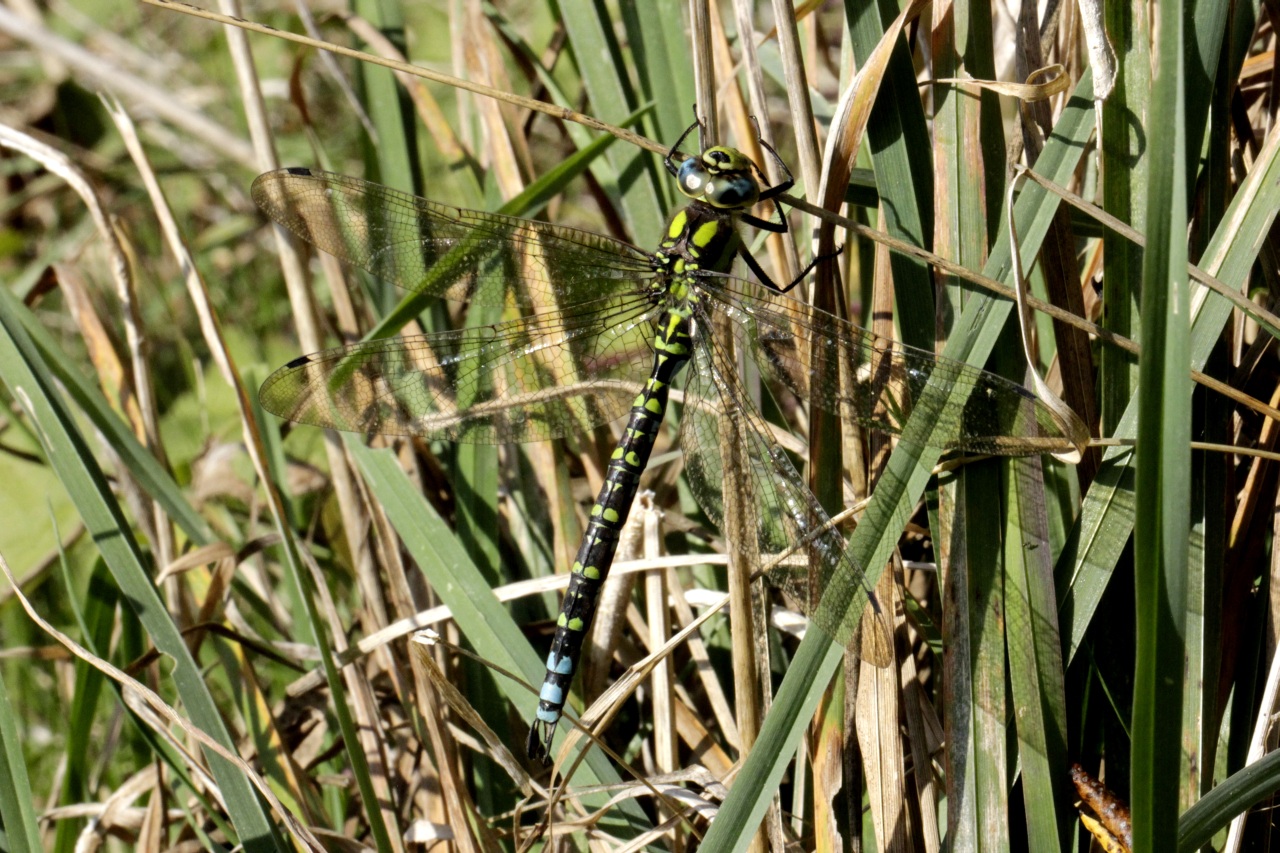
{"x": 538, "y": 744}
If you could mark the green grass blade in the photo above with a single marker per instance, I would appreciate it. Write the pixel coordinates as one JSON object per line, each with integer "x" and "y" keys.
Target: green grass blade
{"x": 1107, "y": 514}
{"x": 475, "y": 480}
{"x": 978, "y": 703}
{"x": 968, "y": 177}
{"x": 1216, "y": 809}
{"x": 1035, "y": 657}
{"x": 17, "y": 811}
{"x": 662, "y": 62}
{"x": 1163, "y": 477}
{"x": 313, "y": 627}
{"x": 898, "y": 135}
{"x": 96, "y": 618}
{"x": 603, "y": 70}
{"x": 1206, "y": 579}
{"x": 384, "y": 99}
{"x": 1124, "y": 195}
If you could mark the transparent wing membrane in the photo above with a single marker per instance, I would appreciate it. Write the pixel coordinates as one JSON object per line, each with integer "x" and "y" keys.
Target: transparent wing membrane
{"x": 791, "y": 530}
{"x": 449, "y": 252}
{"x": 489, "y": 258}
{"x": 879, "y": 380}
{"x": 529, "y": 379}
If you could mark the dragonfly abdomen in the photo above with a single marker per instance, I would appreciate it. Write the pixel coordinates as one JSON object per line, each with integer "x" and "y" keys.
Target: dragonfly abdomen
{"x": 672, "y": 350}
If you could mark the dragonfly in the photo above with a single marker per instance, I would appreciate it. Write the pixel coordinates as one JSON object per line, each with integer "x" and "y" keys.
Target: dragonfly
{"x": 597, "y": 329}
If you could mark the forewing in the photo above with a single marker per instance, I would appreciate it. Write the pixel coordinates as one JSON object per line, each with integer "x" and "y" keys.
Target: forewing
{"x": 448, "y": 252}
{"x": 876, "y": 382}
{"x": 792, "y": 532}
{"x": 530, "y": 379}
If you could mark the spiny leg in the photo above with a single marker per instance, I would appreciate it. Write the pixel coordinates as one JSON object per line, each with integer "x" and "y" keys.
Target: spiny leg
{"x": 768, "y": 281}
{"x": 669, "y": 160}
{"x": 787, "y": 183}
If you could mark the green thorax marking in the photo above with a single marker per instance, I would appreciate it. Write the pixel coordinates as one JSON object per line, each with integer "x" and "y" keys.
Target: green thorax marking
{"x": 699, "y": 237}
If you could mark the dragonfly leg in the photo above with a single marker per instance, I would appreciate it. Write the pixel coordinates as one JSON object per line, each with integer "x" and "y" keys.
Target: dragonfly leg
{"x": 768, "y": 281}
{"x": 779, "y": 227}
{"x": 669, "y": 161}
{"x": 809, "y": 268}
{"x": 787, "y": 183}
{"x": 770, "y": 193}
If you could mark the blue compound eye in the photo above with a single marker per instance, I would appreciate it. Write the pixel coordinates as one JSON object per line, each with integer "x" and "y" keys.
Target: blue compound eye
{"x": 733, "y": 191}
{"x": 692, "y": 178}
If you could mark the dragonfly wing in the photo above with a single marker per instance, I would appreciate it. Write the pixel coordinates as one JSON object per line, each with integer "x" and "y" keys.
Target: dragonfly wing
{"x": 794, "y": 539}
{"x": 878, "y": 382}
{"x": 448, "y": 252}
{"x": 531, "y": 379}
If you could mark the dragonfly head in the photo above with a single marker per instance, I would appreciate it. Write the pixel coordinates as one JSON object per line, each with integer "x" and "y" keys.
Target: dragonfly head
{"x": 722, "y": 177}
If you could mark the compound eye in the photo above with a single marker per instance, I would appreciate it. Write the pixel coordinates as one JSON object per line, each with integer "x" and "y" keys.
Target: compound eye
{"x": 692, "y": 178}
{"x": 736, "y": 192}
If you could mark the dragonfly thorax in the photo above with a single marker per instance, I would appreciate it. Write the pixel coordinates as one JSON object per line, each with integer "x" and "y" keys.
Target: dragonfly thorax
{"x": 699, "y": 238}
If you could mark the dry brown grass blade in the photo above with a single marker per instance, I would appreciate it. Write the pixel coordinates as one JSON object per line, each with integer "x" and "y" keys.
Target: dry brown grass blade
{"x": 1258, "y": 492}
{"x": 1072, "y": 426}
{"x": 801, "y": 109}
{"x": 209, "y": 323}
{"x": 597, "y": 718}
{"x": 1027, "y": 91}
{"x": 704, "y": 84}
{"x": 454, "y": 814}
{"x": 361, "y": 693}
{"x": 737, "y": 525}
{"x": 1197, "y": 273}
{"x": 365, "y": 706}
{"x": 112, "y": 377}
{"x": 877, "y": 731}
{"x": 782, "y": 249}
{"x": 503, "y": 152}
{"x": 711, "y": 686}
{"x": 214, "y": 552}
{"x": 423, "y": 641}
{"x": 923, "y": 739}
{"x": 665, "y": 748}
